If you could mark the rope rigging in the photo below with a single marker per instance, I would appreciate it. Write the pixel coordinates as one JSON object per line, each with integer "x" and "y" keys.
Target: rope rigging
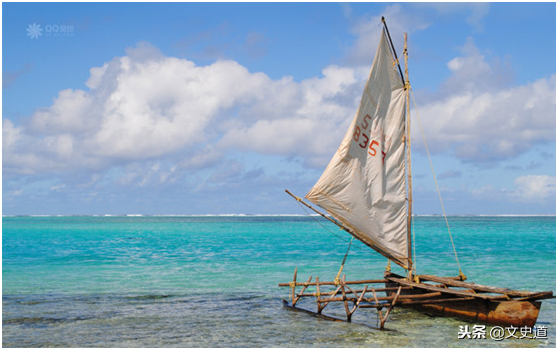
{"x": 463, "y": 277}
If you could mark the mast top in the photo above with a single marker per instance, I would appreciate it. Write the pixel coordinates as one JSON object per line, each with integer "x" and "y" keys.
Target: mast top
{"x": 394, "y": 52}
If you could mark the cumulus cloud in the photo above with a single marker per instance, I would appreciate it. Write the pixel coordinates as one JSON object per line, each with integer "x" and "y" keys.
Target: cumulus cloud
{"x": 534, "y": 188}
{"x": 484, "y": 120}
{"x": 298, "y": 119}
{"x": 145, "y": 105}
{"x": 367, "y": 31}
{"x": 528, "y": 189}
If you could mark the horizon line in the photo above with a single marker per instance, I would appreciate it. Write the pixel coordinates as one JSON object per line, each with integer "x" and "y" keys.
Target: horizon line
{"x": 258, "y": 215}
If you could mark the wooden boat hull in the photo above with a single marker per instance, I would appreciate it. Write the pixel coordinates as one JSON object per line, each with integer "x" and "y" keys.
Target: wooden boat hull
{"x": 500, "y": 313}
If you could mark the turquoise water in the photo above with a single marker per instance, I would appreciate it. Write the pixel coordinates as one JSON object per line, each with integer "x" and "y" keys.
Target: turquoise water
{"x": 212, "y": 281}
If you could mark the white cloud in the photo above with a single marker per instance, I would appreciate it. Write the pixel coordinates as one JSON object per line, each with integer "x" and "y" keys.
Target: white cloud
{"x": 528, "y": 189}
{"x": 145, "y": 106}
{"x": 139, "y": 106}
{"x": 298, "y": 119}
{"x": 10, "y": 134}
{"x": 534, "y": 188}
{"x": 70, "y": 113}
{"x": 368, "y": 29}
{"x": 484, "y": 120}
{"x": 474, "y": 12}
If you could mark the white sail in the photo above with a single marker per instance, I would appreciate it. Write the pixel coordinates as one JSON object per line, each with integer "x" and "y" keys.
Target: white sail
{"x": 364, "y": 187}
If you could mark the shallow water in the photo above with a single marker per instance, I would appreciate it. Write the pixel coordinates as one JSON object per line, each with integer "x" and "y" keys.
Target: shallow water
{"x": 212, "y": 281}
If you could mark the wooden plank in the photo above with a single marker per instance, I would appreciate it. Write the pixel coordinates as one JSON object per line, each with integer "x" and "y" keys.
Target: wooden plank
{"x": 476, "y": 287}
{"x": 413, "y": 302}
{"x": 433, "y": 301}
{"x": 538, "y": 296}
{"x": 445, "y": 290}
{"x": 376, "y": 306}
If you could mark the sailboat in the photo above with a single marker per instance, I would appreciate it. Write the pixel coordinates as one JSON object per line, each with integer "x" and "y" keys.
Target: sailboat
{"x": 367, "y": 191}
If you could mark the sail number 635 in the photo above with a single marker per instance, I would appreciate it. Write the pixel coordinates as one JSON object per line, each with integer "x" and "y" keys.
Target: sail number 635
{"x": 357, "y": 136}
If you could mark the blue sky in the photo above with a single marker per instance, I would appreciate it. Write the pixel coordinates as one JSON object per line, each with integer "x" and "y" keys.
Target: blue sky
{"x": 216, "y": 108}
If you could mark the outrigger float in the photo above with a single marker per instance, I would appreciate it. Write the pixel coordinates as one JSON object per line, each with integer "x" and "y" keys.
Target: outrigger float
{"x": 367, "y": 191}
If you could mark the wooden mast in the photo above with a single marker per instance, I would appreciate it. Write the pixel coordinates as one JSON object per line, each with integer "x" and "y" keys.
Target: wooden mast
{"x": 408, "y": 144}
{"x": 405, "y": 80}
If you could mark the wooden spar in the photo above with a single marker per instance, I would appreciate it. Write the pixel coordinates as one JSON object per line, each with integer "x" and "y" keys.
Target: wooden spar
{"x": 434, "y": 301}
{"x": 404, "y": 282}
{"x": 405, "y": 301}
{"x": 320, "y": 308}
{"x": 389, "y": 298}
{"x": 318, "y": 212}
{"x": 359, "y": 300}
{"x": 360, "y": 238}
{"x": 345, "y": 300}
{"x": 333, "y": 283}
{"x": 384, "y": 319}
{"x": 378, "y": 306}
{"x": 335, "y": 293}
{"x": 301, "y": 294}
{"x": 298, "y": 296}
{"x": 371, "y": 290}
{"x": 409, "y": 175}
{"x": 476, "y": 287}
{"x": 539, "y": 296}
{"x": 293, "y": 286}
{"x": 393, "y": 49}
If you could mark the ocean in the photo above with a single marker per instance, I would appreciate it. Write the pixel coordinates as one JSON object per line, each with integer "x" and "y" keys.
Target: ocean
{"x": 212, "y": 281}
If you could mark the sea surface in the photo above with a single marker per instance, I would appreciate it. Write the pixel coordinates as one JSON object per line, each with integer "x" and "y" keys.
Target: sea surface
{"x": 212, "y": 281}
